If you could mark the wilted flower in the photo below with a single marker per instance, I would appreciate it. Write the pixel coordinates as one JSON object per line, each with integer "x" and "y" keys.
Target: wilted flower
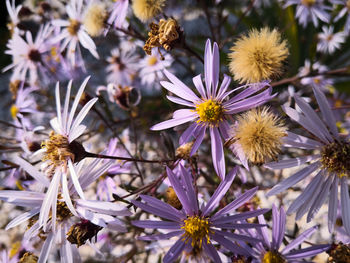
{"x": 258, "y": 56}
{"x": 147, "y": 9}
{"x": 95, "y": 18}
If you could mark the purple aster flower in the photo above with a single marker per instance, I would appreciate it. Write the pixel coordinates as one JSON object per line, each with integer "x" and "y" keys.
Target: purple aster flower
{"x": 310, "y": 10}
{"x": 330, "y": 162}
{"x": 212, "y": 109}
{"x": 318, "y": 81}
{"x": 13, "y": 11}
{"x": 195, "y": 228}
{"x": 270, "y": 251}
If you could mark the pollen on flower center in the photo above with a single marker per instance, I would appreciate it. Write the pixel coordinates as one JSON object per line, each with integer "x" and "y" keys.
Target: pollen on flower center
{"x": 197, "y": 228}
{"x": 210, "y": 111}
{"x": 152, "y": 60}
{"x": 73, "y": 27}
{"x": 14, "y": 111}
{"x": 57, "y": 149}
{"x": 308, "y": 2}
{"x": 273, "y": 257}
{"x": 336, "y": 158}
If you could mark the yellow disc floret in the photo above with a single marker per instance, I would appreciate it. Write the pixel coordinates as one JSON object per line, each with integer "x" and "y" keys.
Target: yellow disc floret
{"x": 335, "y": 157}
{"x": 57, "y": 150}
{"x": 210, "y": 111}
{"x": 14, "y": 111}
{"x": 273, "y": 257}
{"x": 197, "y": 228}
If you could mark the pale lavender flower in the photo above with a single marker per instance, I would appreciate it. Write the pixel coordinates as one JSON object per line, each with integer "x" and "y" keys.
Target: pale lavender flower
{"x": 151, "y": 68}
{"x": 122, "y": 67}
{"x": 330, "y": 162}
{"x": 315, "y": 81}
{"x": 67, "y": 211}
{"x": 310, "y": 10}
{"x": 328, "y": 42}
{"x": 27, "y": 55}
{"x": 73, "y": 33}
{"x": 195, "y": 228}
{"x": 24, "y": 103}
{"x": 344, "y": 11}
{"x": 212, "y": 109}
{"x": 118, "y": 14}
{"x": 270, "y": 249}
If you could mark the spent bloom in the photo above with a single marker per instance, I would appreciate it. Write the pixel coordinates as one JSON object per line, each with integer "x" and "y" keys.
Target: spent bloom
{"x": 328, "y": 42}
{"x": 94, "y": 18}
{"x": 329, "y": 160}
{"x": 195, "y": 227}
{"x": 211, "y": 110}
{"x": 147, "y": 9}
{"x": 269, "y": 251}
{"x": 310, "y": 10}
{"x": 258, "y": 56}
{"x": 257, "y": 136}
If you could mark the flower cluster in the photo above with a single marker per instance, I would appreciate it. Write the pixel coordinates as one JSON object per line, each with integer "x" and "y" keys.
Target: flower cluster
{"x": 167, "y": 131}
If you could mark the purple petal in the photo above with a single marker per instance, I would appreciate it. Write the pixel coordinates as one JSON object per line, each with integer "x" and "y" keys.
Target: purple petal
{"x": 294, "y": 140}
{"x": 278, "y": 227}
{"x": 306, "y": 194}
{"x": 238, "y": 237}
{"x": 199, "y": 138}
{"x": 306, "y": 252}
{"x": 172, "y": 123}
{"x": 180, "y": 101}
{"x": 156, "y": 211}
{"x": 305, "y": 122}
{"x": 263, "y": 231}
{"x": 207, "y": 66}
{"x": 156, "y": 224}
{"x": 174, "y": 251}
{"x": 291, "y": 162}
{"x": 333, "y": 204}
{"x": 236, "y": 203}
{"x": 182, "y": 113}
{"x": 239, "y": 217}
{"x": 180, "y": 192}
{"x": 345, "y": 203}
{"x": 239, "y": 225}
{"x": 320, "y": 199}
{"x": 197, "y": 81}
{"x": 186, "y": 135}
{"x": 215, "y": 68}
{"x": 161, "y": 236}
{"x": 211, "y": 251}
{"x": 220, "y": 192}
{"x": 223, "y": 87}
{"x": 159, "y": 204}
{"x": 217, "y": 152}
{"x": 300, "y": 239}
{"x": 326, "y": 111}
{"x": 229, "y": 245}
{"x": 250, "y": 90}
{"x": 292, "y": 180}
{"x": 192, "y": 197}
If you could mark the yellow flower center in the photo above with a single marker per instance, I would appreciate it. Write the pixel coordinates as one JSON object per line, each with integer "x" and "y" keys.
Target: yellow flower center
{"x": 57, "y": 149}
{"x": 273, "y": 257}
{"x": 197, "y": 228}
{"x": 14, "y": 111}
{"x": 73, "y": 27}
{"x": 308, "y": 2}
{"x": 210, "y": 111}
{"x": 152, "y": 60}
{"x": 14, "y": 249}
{"x": 335, "y": 157}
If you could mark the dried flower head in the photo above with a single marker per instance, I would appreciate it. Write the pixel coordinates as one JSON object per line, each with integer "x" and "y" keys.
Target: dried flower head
{"x": 172, "y": 199}
{"x": 258, "y": 56}
{"x": 184, "y": 151}
{"x": 147, "y": 9}
{"x": 28, "y": 257}
{"x": 94, "y": 19}
{"x": 81, "y": 232}
{"x": 165, "y": 35}
{"x": 259, "y": 133}
{"x": 339, "y": 253}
